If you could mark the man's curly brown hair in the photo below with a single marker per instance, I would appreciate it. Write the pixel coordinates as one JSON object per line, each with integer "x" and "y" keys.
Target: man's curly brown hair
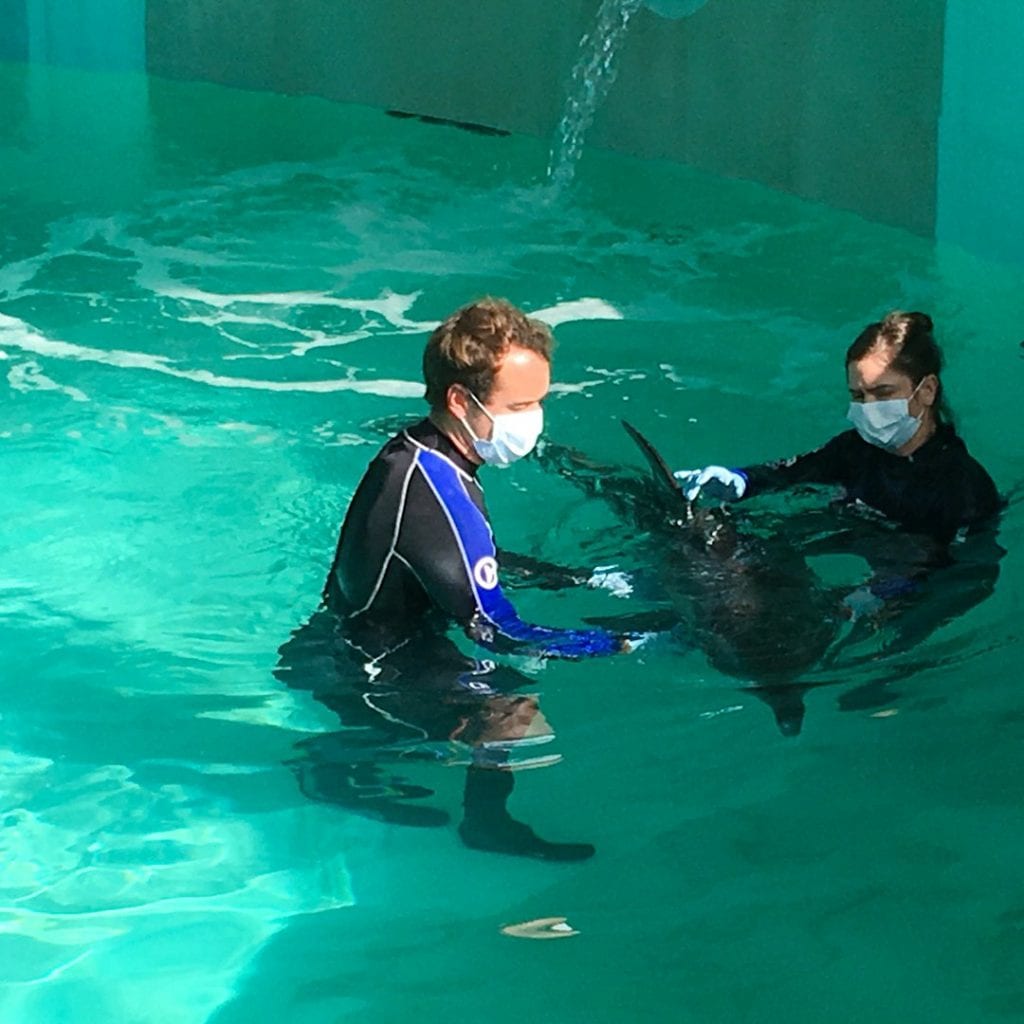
{"x": 469, "y": 346}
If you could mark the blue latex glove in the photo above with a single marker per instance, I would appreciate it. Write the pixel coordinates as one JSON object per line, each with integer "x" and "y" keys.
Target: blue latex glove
{"x": 715, "y": 482}
{"x": 861, "y": 602}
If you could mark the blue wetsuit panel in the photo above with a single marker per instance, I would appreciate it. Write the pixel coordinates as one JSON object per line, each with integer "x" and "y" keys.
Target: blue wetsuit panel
{"x": 476, "y": 543}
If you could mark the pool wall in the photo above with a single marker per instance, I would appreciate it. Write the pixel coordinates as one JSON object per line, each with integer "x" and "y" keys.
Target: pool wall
{"x": 101, "y": 35}
{"x": 797, "y": 96}
{"x": 905, "y": 111}
{"x": 979, "y": 193}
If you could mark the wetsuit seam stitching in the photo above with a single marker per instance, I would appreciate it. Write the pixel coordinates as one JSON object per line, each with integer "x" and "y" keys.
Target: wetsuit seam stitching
{"x": 399, "y": 514}
{"x": 433, "y": 451}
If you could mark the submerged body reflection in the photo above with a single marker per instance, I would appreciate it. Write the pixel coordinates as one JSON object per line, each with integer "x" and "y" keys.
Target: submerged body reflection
{"x": 424, "y": 701}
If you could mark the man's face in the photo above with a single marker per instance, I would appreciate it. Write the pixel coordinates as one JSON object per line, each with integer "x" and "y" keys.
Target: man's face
{"x": 522, "y": 382}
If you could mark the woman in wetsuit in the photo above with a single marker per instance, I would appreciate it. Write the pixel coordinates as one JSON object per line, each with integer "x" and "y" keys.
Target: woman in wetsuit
{"x": 905, "y": 460}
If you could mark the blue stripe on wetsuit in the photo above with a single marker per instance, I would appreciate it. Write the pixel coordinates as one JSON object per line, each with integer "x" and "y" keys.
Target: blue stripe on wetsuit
{"x": 473, "y": 534}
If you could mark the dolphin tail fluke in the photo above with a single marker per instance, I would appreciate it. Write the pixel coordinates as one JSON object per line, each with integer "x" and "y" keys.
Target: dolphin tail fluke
{"x": 787, "y": 704}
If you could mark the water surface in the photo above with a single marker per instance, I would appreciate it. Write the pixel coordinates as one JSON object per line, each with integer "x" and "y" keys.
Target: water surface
{"x": 212, "y": 307}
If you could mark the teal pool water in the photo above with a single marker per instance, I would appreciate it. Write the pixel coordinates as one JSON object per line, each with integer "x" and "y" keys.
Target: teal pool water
{"x": 212, "y": 308}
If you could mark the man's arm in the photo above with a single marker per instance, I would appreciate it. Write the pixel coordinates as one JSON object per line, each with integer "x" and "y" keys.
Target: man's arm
{"x": 446, "y": 541}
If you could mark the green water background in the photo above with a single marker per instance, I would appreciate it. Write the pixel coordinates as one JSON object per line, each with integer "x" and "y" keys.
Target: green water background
{"x": 213, "y": 304}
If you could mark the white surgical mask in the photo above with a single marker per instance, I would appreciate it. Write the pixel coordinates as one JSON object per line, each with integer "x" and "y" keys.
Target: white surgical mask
{"x": 514, "y": 435}
{"x": 886, "y": 424}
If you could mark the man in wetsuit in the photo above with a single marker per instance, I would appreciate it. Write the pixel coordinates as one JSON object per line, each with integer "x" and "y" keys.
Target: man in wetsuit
{"x": 416, "y": 554}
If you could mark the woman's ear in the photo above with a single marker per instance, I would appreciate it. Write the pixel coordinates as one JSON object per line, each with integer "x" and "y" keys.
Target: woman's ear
{"x": 928, "y": 390}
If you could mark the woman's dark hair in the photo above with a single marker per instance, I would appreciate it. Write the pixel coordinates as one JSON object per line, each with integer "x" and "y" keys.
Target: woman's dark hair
{"x": 907, "y": 341}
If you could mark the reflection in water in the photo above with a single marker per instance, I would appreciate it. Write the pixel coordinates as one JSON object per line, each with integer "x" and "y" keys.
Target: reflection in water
{"x": 931, "y": 586}
{"x": 423, "y": 701}
{"x": 116, "y": 892}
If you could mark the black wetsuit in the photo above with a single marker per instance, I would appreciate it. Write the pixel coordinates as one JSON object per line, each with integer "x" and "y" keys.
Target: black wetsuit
{"x": 935, "y": 496}
{"x": 416, "y": 553}
{"x": 936, "y": 491}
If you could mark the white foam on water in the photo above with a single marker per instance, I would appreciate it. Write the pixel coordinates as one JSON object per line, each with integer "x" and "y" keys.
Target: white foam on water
{"x": 392, "y": 306}
{"x": 14, "y": 276}
{"x": 577, "y": 309}
{"x": 25, "y": 377}
{"x": 575, "y": 387}
{"x": 17, "y": 334}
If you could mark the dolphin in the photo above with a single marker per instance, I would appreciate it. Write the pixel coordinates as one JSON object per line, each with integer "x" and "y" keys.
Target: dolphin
{"x": 752, "y": 604}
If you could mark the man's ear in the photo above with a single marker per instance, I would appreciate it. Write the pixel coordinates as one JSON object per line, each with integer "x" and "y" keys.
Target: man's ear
{"x": 457, "y": 401}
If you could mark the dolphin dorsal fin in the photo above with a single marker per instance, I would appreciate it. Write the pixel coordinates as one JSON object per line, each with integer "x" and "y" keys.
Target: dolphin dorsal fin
{"x": 662, "y": 474}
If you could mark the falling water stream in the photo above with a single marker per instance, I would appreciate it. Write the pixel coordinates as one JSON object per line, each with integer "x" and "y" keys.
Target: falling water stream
{"x": 592, "y": 77}
{"x": 594, "y": 74}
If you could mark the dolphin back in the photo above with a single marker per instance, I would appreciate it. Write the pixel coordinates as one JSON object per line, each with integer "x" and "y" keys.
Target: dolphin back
{"x": 751, "y": 603}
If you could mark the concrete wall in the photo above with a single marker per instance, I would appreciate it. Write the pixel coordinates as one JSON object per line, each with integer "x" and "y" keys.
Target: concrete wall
{"x": 489, "y": 61}
{"x": 13, "y": 30}
{"x": 100, "y": 35}
{"x": 836, "y": 100}
{"x": 981, "y": 137}
{"x": 906, "y": 111}
{"x": 90, "y": 144}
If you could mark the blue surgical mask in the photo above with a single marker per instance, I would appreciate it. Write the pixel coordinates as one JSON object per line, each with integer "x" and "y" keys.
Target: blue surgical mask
{"x": 514, "y": 435}
{"x": 886, "y": 424}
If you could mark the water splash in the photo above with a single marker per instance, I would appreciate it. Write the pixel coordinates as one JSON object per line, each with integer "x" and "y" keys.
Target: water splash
{"x": 592, "y": 78}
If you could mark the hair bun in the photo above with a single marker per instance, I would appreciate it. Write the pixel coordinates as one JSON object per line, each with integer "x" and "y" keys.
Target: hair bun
{"x": 921, "y": 320}
{"x": 896, "y": 325}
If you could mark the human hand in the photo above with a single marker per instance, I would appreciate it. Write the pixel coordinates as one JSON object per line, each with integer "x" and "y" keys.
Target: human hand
{"x": 714, "y": 482}
{"x": 861, "y": 602}
{"x": 634, "y": 641}
{"x": 612, "y": 579}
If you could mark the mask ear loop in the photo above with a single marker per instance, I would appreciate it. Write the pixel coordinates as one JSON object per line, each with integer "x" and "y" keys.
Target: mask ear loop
{"x": 465, "y": 423}
{"x": 483, "y": 408}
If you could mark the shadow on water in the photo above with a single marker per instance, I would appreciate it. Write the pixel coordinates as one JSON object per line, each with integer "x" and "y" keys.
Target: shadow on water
{"x": 744, "y": 590}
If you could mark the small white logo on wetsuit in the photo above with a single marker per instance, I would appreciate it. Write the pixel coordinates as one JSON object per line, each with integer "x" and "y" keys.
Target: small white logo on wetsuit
{"x": 485, "y": 572}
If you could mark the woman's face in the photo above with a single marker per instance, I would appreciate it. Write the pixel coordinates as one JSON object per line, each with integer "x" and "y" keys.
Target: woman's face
{"x": 871, "y": 379}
